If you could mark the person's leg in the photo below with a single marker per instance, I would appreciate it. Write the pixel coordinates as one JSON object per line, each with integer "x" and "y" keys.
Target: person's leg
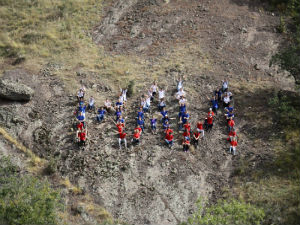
{"x": 120, "y": 143}
{"x": 202, "y": 133}
{"x": 125, "y": 142}
{"x": 230, "y": 149}
{"x": 234, "y": 150}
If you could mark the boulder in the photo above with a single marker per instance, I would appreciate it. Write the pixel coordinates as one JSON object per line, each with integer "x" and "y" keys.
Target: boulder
{"x": 15, "y": 91}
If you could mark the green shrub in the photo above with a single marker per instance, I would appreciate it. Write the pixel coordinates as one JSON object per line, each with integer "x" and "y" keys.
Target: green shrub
{"x": 25, "y": 199}
{"x": 131, "y": 88}
{"x": 226, "y": 212}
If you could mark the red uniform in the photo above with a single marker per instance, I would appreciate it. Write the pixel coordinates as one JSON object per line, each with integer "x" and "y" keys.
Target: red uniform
{"x": 200, "y": 126}
{"x": 168, "y": 131}
{"x": 82, "y": 136}
{"x": 139, "y": 129}
{"x": 187, "y": 126}
{"x": 120, "y": 128}
{"x": 231, "y": 123}
{"x": 169, "y": 137}
{"x": 136, "y": 135}
{"x": 209, "y": 120}
{"x": 197, "y": 135}
{"x": 210, "y": 114}
{"x": 233, "y": 143}
{"x": 186, "y": 133}
{"x": 80, "y": 126}
{"x": 122, "y": 135}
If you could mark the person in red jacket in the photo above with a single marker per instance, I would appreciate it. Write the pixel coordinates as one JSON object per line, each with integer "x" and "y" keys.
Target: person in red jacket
{"x": 187, "y": 126}
{"x": 196, "y": 137}
{"x": 231, "y": 135}
{"x": 233, "y": 145}
{"x": 186, "y": 144}
{"x": 136, "y": 136}
{"x": 186, "y": 133}
{"x": 82, "y": 137}
{"x": 200, "y": 128}
{"x": 169, "y": 139}
{"x": 210, "y": 112}
{"x": 122, "y": 138}
{"x": 210, "y": 123}
{"x": 168, "y": 130}
{"x": 120, "y": 127}
{"x": 80, "y": 126}
{"x": 231, "y": 124}
{"x": 138, "y": 129}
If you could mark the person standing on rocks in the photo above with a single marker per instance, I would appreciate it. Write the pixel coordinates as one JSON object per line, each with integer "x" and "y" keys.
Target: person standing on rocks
{"x": 186, "y": 144}
{"x": 154, "y": 90}
{"x": 226, "y": 100}
{"x": 153, "y": 124}
{"x": 161, "y": 94}
{"x": 107, "y": 105}
{"x": 180, "y": 84}
{"x": 231, "y": 124}
{"x": 225, "y": 84}
{"x": 141, "y": 123}
{"x": 161, "y": 105}
{"x": 196, "y": 137}
{"x": 200, "y": 128}
{"x": 233, "y": 145}
{"x": 232, "y": 134}
{"x": 91, "y": 105}
{"x": 80, "y": 95}
{"x": 136, "y": 137}
{"x": 210, "y": 123}
{"x": 100, "y": 115}
{"x": 122, "y": 139}
{"x": 83, "y": 137}
{"x": 169, "y": 139}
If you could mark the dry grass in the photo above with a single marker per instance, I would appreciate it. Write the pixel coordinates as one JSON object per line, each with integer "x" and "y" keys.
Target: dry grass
{"x": 36, "y": 163}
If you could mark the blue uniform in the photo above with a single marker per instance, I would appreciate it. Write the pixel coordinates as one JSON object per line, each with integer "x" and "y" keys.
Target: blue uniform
{"x": 164, "y": 113}
{"x": 140, "y": 114}
{"x": 100, "y": 115}
{"x": 185, "y": 117}
{"x": 153, "y": 123}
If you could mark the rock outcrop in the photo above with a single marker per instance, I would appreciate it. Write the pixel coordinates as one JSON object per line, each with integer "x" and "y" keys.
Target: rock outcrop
{"x": 14, "y": 91}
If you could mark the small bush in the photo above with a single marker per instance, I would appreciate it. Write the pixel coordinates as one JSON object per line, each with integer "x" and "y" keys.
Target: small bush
{"x": 25, "y": 199}
{"x": 227, "y": 212}
{"x": 131, "y": 88}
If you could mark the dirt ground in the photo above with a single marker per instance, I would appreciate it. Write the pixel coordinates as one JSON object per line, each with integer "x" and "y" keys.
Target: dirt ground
{"x": 203, "y": 41}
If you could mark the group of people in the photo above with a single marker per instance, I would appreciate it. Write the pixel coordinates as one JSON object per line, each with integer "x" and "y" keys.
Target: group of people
{"x": 224, "y": 96}
{"x": 221, "y": 96}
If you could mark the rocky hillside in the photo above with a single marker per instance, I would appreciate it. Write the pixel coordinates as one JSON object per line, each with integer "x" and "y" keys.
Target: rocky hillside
{"x": 202, "y": 41}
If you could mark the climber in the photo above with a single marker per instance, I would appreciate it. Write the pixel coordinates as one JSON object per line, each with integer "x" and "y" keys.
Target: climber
{"x": 161, "y": 105}
{"x": 153, "y": 124}
{"x": 141, "y": 123}
{"x": 122, "y": 138}
{"x": 100, "y": 116}
{"x": 169, "y": 139}
{"x": 224, "y": 85}
{"x": 108, "y": 106}
{"x": 196, "y": 137}
{"x": 91, "y": 105}
{"x": 200, "y": 128}
{"x": 231, "y": 135}
{"x": 210, "y": 123}
{"x": 136, "y": 137}
{"x": 80, "y": 95}
{"x": 231, "y": 124}
{"x": 233, "y": 145}
{"x": 186, "y": 144}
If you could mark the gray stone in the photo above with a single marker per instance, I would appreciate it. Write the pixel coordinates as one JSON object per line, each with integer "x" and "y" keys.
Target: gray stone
{"x": 14, "y": 91}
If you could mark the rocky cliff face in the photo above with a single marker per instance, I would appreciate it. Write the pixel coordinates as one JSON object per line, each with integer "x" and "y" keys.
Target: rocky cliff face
{"x": 151, "y": 184}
